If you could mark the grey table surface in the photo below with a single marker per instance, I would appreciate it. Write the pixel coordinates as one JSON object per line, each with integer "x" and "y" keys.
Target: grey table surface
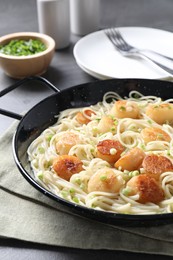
{"x": 21, "y": 15}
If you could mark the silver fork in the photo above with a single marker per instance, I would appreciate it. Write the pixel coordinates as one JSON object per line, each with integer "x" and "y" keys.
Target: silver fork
{"x": 126, "y": 49}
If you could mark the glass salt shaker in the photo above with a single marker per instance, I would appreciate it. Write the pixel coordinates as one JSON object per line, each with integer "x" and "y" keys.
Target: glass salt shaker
{"x": 54, "y": 20}
{"x": 84, "y": 16}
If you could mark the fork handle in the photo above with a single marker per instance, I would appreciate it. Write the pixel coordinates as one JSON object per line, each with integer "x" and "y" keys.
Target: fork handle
{"x": 163, "y": 67}
{"x": 158, "y": 54}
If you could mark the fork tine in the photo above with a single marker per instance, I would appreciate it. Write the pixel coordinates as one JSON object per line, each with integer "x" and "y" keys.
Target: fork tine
{"x": 117, "y": 36}
{"x": 108, "y": 32}
{"x": 111, "y": 34}
{"x": 120, "y": 38}
{"x": 117, "y": 39}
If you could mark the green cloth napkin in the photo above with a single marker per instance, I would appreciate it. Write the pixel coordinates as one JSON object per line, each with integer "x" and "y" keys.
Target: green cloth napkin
{"x": 28, "y": 215}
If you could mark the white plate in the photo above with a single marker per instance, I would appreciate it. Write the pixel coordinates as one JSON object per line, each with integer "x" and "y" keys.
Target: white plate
{"x": 96, "y": 55}
{"x": 95, "y": 75}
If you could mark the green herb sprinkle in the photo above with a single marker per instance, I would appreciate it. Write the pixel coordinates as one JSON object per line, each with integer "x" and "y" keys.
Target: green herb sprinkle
{"x": 22, "y": 47}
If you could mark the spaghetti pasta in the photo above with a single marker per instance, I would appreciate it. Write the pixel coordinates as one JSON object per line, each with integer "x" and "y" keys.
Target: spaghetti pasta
{"x": 132, "y": 128}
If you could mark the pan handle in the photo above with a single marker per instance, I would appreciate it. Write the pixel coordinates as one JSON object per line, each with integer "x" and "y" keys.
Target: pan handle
{"x": 19, "y": 83}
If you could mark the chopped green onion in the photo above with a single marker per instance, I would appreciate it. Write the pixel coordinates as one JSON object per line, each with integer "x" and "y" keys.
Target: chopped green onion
{"x": 47, "y": 164}
{"x": 78, "y": 181}
{"x": 133, "y": 173}
{"x": 41, "y": 150}
{"x": 142, "y": 146}
{"x": 113, "y": 128}
{"x": 72, "y": 190}
{"x": 92, "y": 150}
{"x": 122, "y": 108}
{"x": 149, "y": 121}
{"x": 76, "y": 200}
{"x": 136, "y": 96}
{"x": 112, "y": 117}
{"x": 103, "y": 177}
{"x": 126, "y": 191}
{"x": 40, "y": 175}
{"x": 115, "y": 122}
{"x": 64, "y": 194}
{"x": 82, "y": 186}
{"x": 49, "y": 138}
{"x": 168, "y": 152}
{"x": 22, "y": 47}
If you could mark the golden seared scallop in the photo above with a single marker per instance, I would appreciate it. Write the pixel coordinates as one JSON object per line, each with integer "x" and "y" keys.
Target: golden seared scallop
{"x": 125, "y": 109}
{"x": 107, "y": 124}
{"x": 161, "y": 114}
{"x": 154, "y": 165}
{"x": 85, "y": 116}
{"x": 150, "y": 134}
{"x": 109, "y": 150}
{"x": 146, "y": 187}
{"x": 131, "y": 161}
{"x": 67, "y": 141}
{"x": 67, "y": 165}
{"x": 105, "y": 180}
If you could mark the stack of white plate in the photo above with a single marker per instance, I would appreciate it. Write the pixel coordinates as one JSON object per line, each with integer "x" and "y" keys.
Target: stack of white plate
{"x": 97, "y": 56}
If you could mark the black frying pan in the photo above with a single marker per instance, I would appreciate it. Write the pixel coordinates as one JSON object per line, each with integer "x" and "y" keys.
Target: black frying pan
{"x": 43, "y": 114}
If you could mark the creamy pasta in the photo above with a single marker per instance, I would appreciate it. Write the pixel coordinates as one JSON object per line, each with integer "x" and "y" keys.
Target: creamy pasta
{"x": 114, "y": 156}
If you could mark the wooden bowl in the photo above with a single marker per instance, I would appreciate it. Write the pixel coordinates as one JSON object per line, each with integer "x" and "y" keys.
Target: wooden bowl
{"x": 24, "y": 66}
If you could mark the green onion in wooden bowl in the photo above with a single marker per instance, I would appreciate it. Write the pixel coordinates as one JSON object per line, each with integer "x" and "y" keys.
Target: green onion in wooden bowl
{"x": 26, "y": 54}
{"x": 23, "y": 47}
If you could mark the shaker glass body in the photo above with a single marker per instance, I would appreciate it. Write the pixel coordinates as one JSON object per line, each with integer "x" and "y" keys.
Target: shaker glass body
{"x": 54, "y": 20}
{"x": 84, "y": 16}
